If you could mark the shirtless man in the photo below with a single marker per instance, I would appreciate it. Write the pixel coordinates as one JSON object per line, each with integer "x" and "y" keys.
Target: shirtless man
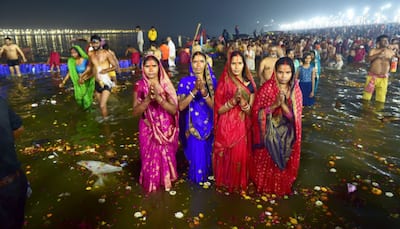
{"x": 12, "y": 51}
{"x": 101, "y": 63}
{"x": 378, "y": 73}
{"x": 267, "y": 65}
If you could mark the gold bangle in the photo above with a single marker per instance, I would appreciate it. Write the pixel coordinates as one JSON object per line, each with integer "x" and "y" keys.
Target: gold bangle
{"x": 246, "y": 107}
{"x": 228, "y": 105}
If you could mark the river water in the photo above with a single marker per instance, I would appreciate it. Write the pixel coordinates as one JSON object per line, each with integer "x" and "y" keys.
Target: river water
{"x": 348, "y": 178}
{"x": 38, "y": 44}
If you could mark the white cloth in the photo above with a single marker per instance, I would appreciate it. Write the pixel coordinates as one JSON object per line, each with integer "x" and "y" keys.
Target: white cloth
{"x": 172, "y": 53}
{"x": 140, "y": 40}
{"x": 250, "y": 57}
{"x": 105, "y": 78}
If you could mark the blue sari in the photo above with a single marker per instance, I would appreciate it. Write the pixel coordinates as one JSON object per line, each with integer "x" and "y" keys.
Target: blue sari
{"x": 196, "y": 125}
{"x": 316, "y": 63}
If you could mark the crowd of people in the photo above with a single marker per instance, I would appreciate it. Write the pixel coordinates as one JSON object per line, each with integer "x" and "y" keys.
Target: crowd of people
{"x": 240, "y": 131}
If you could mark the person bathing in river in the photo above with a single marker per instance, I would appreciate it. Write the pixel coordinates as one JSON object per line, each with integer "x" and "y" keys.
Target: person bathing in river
{"x": 101, "y": 63}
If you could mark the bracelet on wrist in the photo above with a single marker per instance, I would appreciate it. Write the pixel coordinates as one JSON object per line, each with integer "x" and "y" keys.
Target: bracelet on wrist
{"x": 191, "y": 93}
{"x": 205, "y": 97}
{"x": 245, "y": 107}
{"x": 229, "y": 105}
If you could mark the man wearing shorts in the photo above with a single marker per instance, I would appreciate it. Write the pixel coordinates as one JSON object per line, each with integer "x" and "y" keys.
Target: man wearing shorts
{"x": 12, "y": 51}
{"x": 378, "y": 73}
{"x": 101, "y": 63}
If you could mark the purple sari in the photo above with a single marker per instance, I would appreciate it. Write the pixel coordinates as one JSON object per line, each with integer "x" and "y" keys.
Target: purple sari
{"x": 158, "y": 137}
{"x": 196, "y": 127}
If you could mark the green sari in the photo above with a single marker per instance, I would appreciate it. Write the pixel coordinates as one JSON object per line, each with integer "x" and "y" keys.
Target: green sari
{"x": 83, "y": 93}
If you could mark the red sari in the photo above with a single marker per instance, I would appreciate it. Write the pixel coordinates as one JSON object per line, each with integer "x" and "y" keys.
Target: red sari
{"x": 232, "y": 144}
{"x": 266, "y": 175}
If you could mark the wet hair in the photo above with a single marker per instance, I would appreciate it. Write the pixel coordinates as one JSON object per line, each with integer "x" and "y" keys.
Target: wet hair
{"x": 378, "y": 39}
{"x": 7, "y": 38}
{"x": 137, "y": 27}
{"x": 95, "y": 37}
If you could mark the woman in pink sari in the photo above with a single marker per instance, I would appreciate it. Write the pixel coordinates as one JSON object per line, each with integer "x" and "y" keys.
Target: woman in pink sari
{"x": 156, "y": 103}
{"x": 232, "y": 109}
{"x": 277, "y": 114}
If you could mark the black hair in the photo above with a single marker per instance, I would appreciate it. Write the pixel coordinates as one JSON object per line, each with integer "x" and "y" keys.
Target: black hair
{"x": 152, "y": 58}
{"x": 95, "y": 37}
{"x": 7, "y": 38}
{"x": 197, "y": 53}
{"x": 244, "y": 72}
{"x": 378, "y": 39}
{"x": 288, "y": 51}
{"x": 73, "y": 48}
{"x": 305, "y": 56}
{"x": 286, "y": 61}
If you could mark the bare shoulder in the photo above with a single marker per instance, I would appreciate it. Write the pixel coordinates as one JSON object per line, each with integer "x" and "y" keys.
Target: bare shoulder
{"x": 373, "y": 51}
{"x": 263, "y": 61}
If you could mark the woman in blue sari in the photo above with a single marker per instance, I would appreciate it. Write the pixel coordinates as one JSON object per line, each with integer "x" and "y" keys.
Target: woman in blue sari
{"x": 196, "y": 101}
{"x": 316, "y": 63}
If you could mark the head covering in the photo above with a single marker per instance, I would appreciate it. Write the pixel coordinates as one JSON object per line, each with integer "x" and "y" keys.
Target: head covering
{"x": 163, "y": 78}
{"x": 277, "y": 136}
{"x": 80, "y": 51}
{"x": 209, "y": 74}
{"x": 166, "y": 90}
{"x": 227, "y": 86}
{"x": 228, "y": 79}
{"x": 83, "y": 92}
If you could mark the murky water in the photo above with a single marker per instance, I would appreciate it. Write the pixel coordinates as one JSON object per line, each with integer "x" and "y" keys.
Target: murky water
{"x": 345, "y": 142}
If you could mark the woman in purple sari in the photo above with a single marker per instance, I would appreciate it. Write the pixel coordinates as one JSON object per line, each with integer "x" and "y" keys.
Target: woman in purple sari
{"x": 156, "y": 103}
{"x": 196, "y": 101}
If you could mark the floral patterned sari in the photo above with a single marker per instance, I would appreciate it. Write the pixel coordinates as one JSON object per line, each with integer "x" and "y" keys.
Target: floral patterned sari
{"x": 158, "y": 136}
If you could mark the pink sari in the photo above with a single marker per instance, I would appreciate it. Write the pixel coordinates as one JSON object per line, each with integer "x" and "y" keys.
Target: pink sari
{"x": 158, "y": 136}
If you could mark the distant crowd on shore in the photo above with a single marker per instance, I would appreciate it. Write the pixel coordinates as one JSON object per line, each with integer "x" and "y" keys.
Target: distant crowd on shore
{"x": 232, "y": 130}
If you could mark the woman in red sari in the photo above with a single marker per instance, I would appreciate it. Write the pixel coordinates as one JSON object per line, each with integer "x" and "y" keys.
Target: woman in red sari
{"x": 232, "y": 108}
{"x": 277, "y": 114}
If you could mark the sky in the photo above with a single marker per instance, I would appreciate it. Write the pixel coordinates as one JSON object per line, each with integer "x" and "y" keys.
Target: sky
{"x": 170, "y": 17}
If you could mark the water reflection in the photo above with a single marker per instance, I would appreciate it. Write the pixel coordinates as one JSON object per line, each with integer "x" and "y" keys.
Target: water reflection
{"x": 38, "y": 46}
{"x": 345, "y": 141}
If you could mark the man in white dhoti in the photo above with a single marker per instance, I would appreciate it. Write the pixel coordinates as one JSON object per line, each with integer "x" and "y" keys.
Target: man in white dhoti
{"x": 101, "y": 64}
{"x": 172, "y": 52}
{"x": 140, "y": 40}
